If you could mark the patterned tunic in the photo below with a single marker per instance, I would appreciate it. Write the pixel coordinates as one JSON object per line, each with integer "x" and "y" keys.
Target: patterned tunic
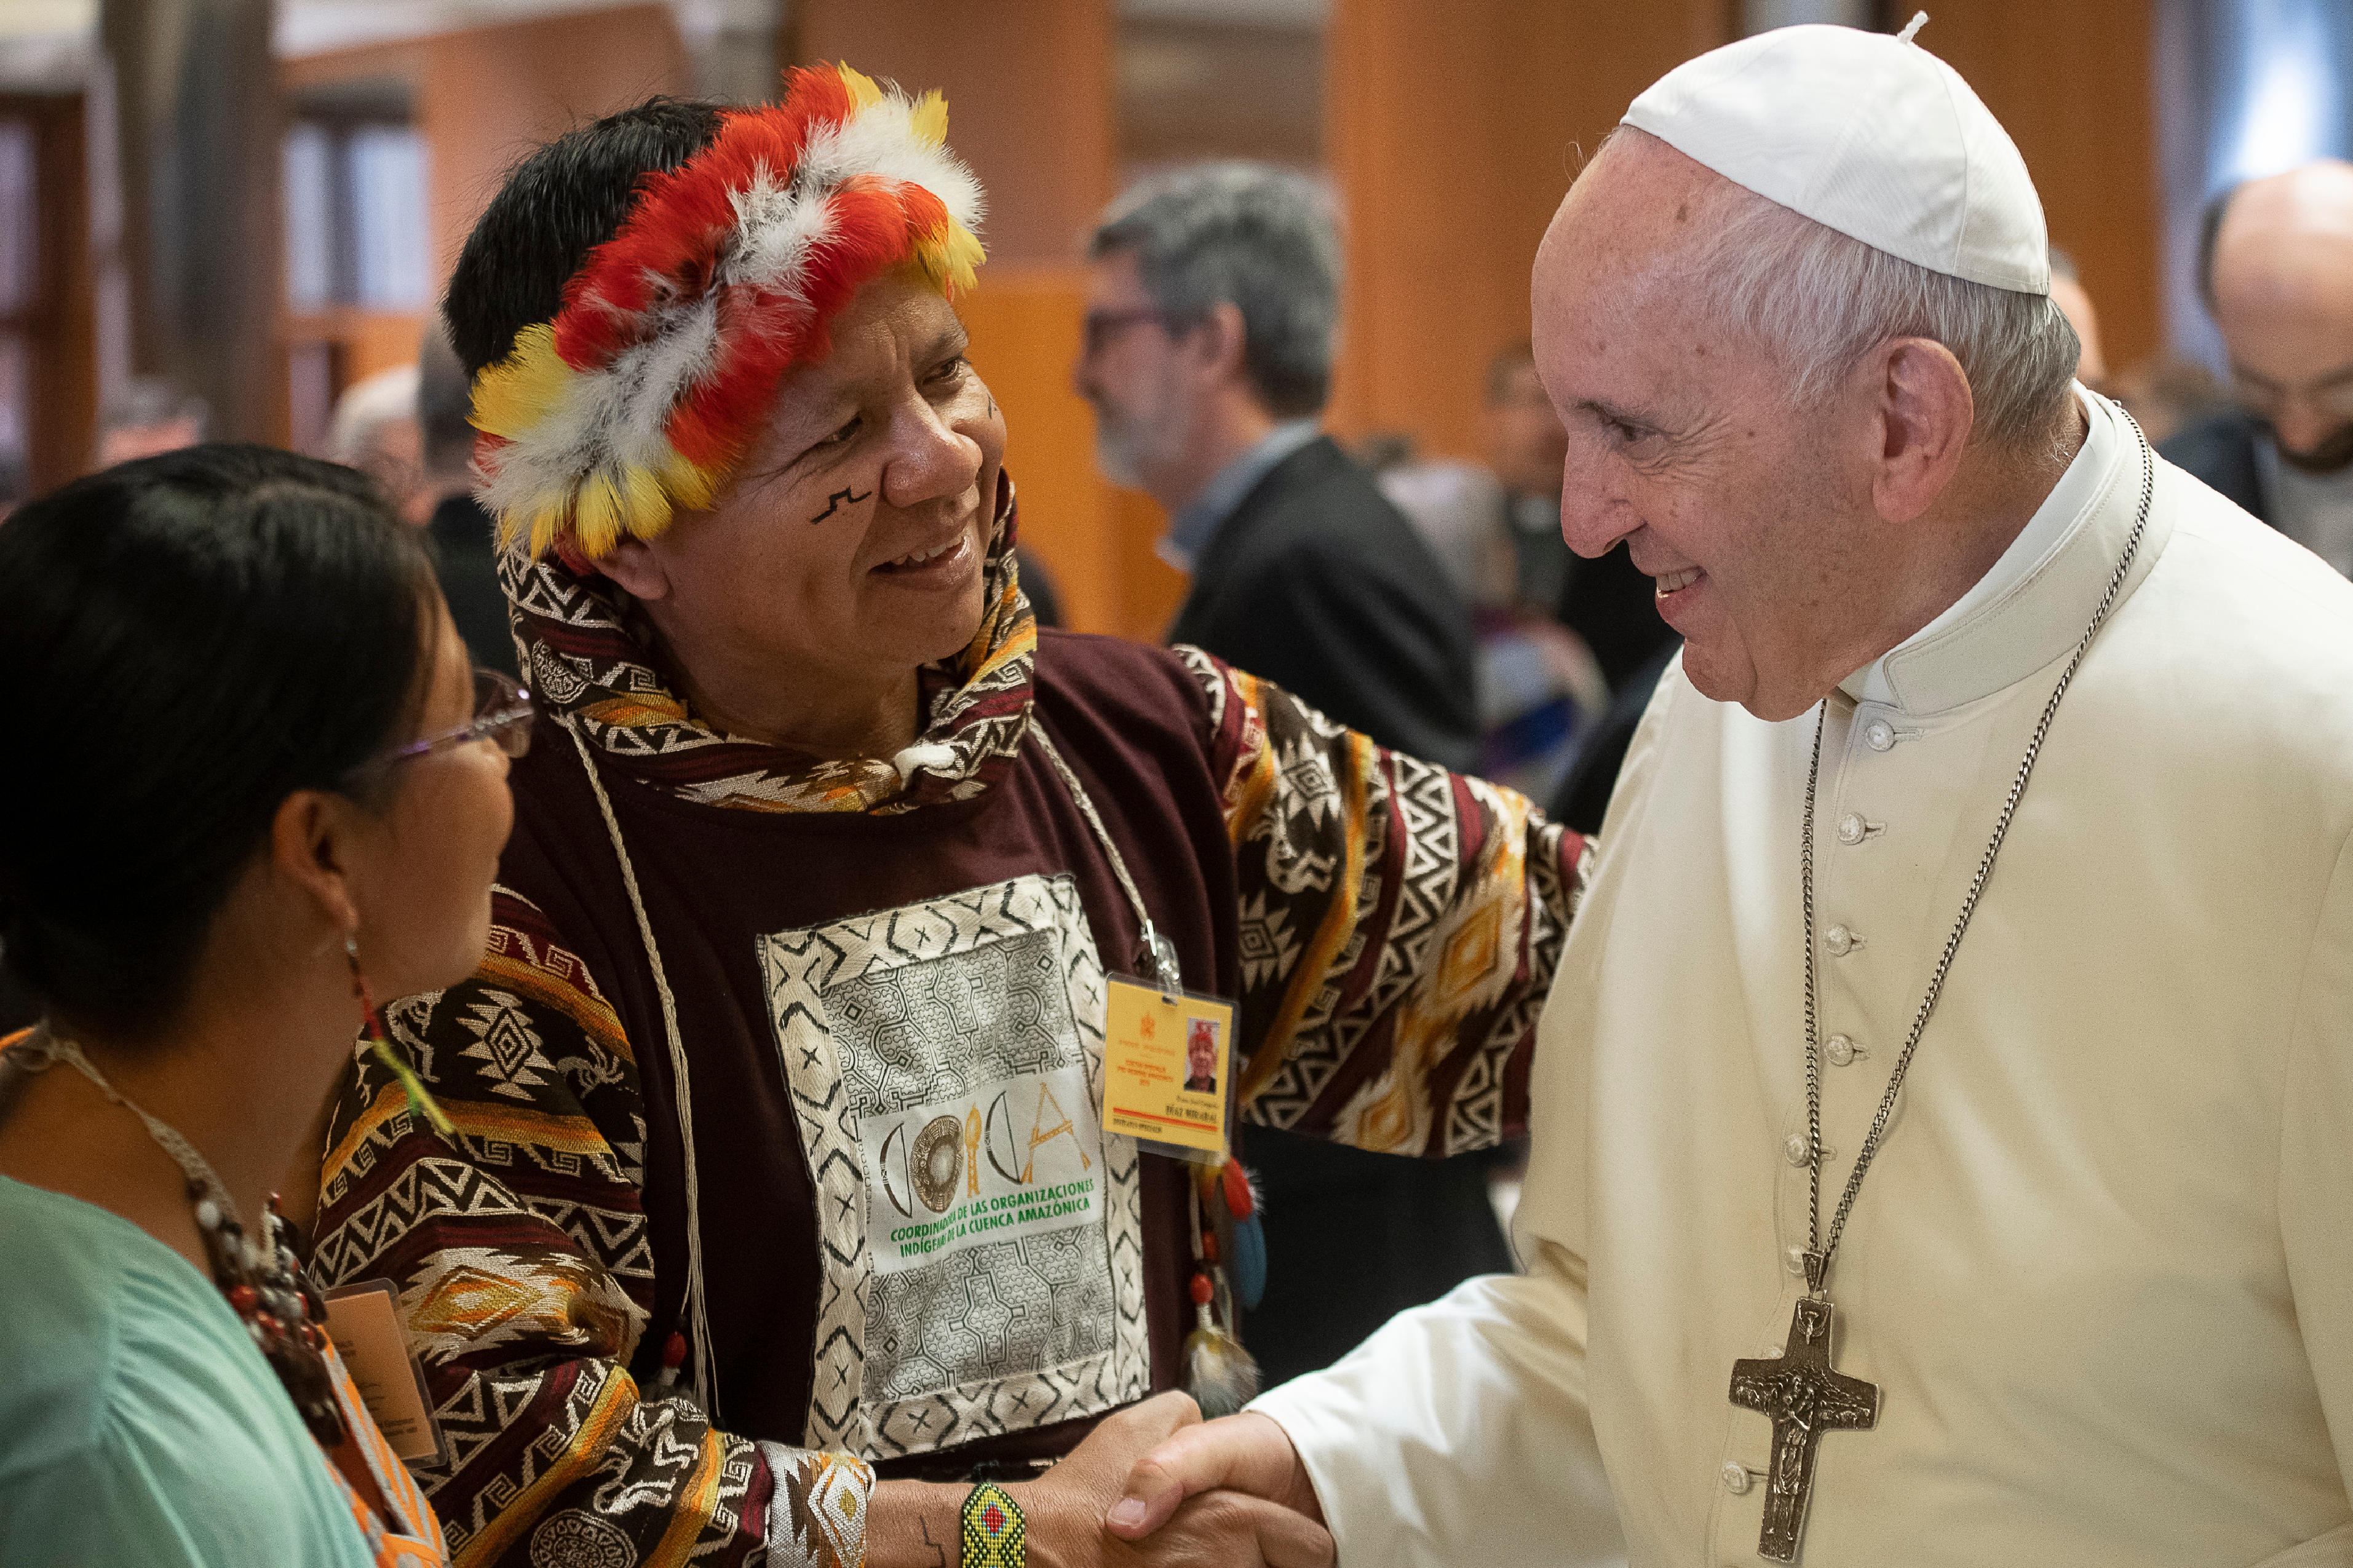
{"x": 884, "y": 982}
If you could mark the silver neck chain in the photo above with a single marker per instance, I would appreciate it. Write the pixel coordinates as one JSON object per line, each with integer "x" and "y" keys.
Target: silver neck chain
{"x": 1823, "y": 1249}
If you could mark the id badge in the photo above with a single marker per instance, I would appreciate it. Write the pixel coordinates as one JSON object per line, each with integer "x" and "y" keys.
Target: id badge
{"x": 1168, "y": 1069}
{"x": 364, "y": 1321}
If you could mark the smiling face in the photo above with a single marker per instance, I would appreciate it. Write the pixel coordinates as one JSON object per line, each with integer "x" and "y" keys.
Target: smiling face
{"x": 1756, "y": 522}
{"x": 847, "y": 550}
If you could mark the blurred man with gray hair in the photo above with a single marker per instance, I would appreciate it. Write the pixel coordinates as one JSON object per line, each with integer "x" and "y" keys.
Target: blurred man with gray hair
{"x": 1212, "y": 298}
{"x": 1208, "y": 356}
{"x": 1944, "y": 1116}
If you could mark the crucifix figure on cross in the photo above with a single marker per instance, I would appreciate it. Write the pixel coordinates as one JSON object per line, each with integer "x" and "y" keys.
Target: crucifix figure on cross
{"x": 1805, "y": 1398}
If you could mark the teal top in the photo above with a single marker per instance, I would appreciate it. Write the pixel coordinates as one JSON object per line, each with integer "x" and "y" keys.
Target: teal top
{"x": 138, "y": 1421}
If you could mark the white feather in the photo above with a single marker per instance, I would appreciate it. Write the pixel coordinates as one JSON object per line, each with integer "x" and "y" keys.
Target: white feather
{"x": 619, "y": 414}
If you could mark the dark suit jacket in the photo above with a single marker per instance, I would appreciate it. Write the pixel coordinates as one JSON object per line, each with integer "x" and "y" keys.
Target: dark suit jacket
{"x": 2221, "y": 452}
{"x": 1318, "y": 584}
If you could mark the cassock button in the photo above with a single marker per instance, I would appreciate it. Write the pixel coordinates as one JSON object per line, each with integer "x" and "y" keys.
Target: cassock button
{"x": 1794, "y": 1260}
{"x": 1840, "y": 940}
{"x": 1879, "y": 734}
{"x": 1850, "y": 829}
{"x": 1795, "y": 1147}
{"x": 1736, "y": 1479}
{"x": 1840, "y": 1050}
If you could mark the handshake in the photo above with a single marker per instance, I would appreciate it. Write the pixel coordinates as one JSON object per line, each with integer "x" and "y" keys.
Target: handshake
{"x": 1156, "y": 1485}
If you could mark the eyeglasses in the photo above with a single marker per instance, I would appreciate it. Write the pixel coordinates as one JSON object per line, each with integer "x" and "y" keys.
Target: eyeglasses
{"x": 502, "y": 716}
{"x": 2331, "y": 396}
{"x": 1100, "y": 327}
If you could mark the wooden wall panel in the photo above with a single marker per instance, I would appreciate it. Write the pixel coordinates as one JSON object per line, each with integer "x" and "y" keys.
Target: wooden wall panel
{"x": 482, "y": 98}
{"x": 2074, "y": 88}
{"x": 1453, "y": 134}
{"x": 485, "y": 97}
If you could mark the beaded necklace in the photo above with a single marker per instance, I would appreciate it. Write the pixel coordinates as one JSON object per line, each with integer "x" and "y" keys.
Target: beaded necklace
{"x": 265, "y": 1283}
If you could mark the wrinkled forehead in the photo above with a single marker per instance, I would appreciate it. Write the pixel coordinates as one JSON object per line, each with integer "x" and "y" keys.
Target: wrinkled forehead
{"x": 1623, "y": 251}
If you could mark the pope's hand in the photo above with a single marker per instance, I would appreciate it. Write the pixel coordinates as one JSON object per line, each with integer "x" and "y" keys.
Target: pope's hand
{"x": 1066, "y": 1506}
{"x": 1239, "y": 1480}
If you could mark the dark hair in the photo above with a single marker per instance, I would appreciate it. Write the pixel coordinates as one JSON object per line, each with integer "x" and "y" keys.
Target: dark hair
{"x": 2210, "y": 230}
{"x": 556, "y": 206}
{"x": 188, "y": 639}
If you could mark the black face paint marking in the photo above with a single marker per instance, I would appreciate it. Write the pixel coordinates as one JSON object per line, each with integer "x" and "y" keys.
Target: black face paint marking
{"x": 939, "y": 1552}
{"x": 833, "y": 502}
{"x": 992, "y": 405}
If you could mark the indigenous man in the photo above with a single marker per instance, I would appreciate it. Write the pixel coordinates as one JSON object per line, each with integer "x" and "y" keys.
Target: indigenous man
{"x": 2073, "y": 1282}
{"x": 785, "y": 1066}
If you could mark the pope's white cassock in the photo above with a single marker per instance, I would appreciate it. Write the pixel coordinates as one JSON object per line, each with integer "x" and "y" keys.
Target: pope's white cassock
{"x": 2101, "y": 1270}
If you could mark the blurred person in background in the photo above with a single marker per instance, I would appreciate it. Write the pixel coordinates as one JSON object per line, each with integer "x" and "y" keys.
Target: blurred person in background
{"x": 1539, "y": 686}
{"x": 374, "y": 429}
{"x": 1206, "y": 356}
{"x": 147, "y": 416}
{"x": 2276, "y": 265}
{"x": 2074, "y": 302}
{"x": 1213, "y": 298}
{"x": 1606, "y": 602}
{"x": 797, "y": 973}
{"x": 284, "y": 785}
{"x": 464, "y": 536}
{"x": 2169, "y": 395}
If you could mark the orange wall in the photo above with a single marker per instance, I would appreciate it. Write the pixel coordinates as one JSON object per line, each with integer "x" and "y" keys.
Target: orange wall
{"x": 2078, "y": 101}
{"x": 1029, "y": 84}
{"x": 1453, "y": 131}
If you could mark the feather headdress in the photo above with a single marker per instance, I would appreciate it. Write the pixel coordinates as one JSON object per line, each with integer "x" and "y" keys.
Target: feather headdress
{"x": 643, "y": 393}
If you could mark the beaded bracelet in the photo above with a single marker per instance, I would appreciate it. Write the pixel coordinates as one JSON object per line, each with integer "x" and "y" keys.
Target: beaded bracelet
{"x": 995, "y": 1533}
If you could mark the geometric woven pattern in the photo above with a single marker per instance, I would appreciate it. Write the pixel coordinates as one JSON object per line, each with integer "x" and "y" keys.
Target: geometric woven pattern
{"x": 957, "y": 1001}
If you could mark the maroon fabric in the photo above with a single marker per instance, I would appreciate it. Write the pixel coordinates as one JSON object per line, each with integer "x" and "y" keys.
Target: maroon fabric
{"x": 712, "y": 875}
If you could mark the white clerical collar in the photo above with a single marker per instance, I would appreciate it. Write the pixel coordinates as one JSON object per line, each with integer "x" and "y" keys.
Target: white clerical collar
{"x": 2071, "y": 501}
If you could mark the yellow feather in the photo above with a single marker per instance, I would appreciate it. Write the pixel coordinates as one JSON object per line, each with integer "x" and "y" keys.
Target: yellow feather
{"x": 645, "y": 509}
{"x": 930, "y": 119}
{"x": 545, "y": 524}
{"x": 691, "y": 487}
{"x": 951, "y": 260}
{"x": 532, "y": 382}
{"x": 863, "y": 93}
{"x": 597, "y": 515}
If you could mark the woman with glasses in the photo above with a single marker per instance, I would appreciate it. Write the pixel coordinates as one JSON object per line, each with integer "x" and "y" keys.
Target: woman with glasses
{"x": 266, "y": 786}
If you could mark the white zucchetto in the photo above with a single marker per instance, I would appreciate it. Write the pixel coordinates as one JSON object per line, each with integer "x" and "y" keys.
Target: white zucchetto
{"x": 1868, "y": 133}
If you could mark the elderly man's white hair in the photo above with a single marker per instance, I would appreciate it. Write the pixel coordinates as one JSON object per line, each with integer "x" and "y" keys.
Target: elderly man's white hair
{"x": 1822, "y": 300}
{"x": 366, "y": 406}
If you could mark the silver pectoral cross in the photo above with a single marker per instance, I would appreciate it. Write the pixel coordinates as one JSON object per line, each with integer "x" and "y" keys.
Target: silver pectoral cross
{"x": 1805, "y": 1399}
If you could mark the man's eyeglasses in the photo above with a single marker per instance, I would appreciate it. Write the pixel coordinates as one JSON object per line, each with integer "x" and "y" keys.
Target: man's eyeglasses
{"x": 502, "y": 716}
{"x": 2331, "y": 396}
{"x": 1101, "y": 327}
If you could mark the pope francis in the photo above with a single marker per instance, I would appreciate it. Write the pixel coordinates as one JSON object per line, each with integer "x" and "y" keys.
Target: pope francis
{"x": 1944, "y": 1149}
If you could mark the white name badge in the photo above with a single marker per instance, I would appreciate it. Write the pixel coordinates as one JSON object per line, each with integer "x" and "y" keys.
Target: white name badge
{"x": 1014, "y": 1158}
{"x": 363, "y": 1321}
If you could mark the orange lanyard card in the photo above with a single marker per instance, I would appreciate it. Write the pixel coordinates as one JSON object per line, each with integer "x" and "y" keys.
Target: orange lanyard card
{"x": 1168, "y": 1069}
